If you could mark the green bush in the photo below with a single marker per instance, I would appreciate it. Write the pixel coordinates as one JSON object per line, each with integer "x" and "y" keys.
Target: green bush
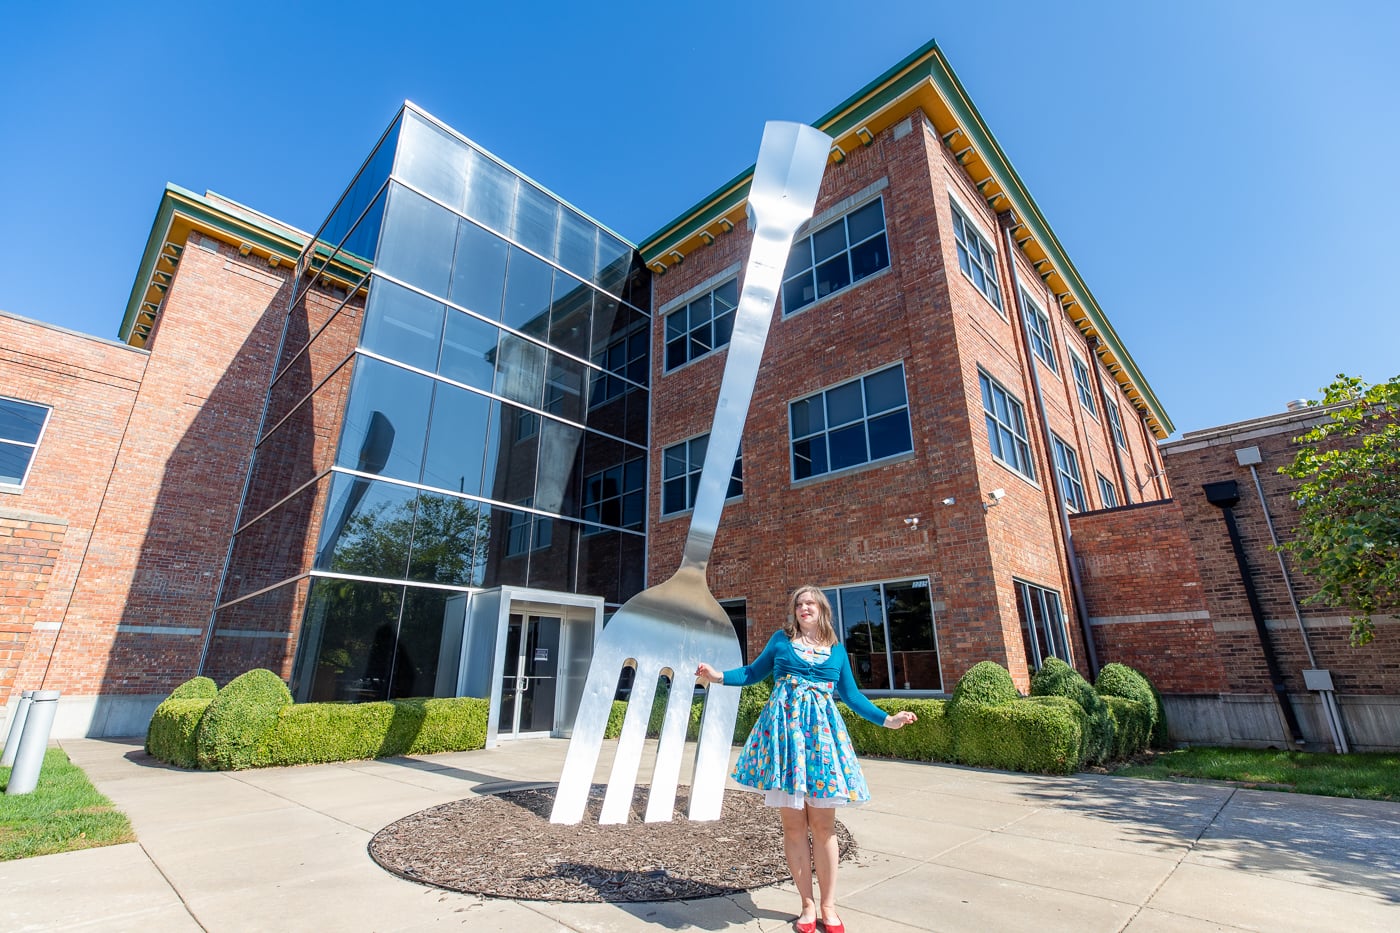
{"x": 1132, "y": 725}
{"x": 752, "y": 699}
{"x": 1120, "y": 680}
{"x": 196, "y": 688}
{"x": 232, "y": 734}
{"x": 987, "y": 683}
{"x": 1056, "y": 678}
{"x": 1035, "y": 734}
{"x": 308, "y": 733}
{"x": 928, "y": 739}
{"x": 171, "y": 734}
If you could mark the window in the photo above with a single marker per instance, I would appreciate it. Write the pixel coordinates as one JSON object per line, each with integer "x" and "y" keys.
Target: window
{"x": 526, "y": 531}
{"x": 839, "y": 254}
{"x": 1067, "y": 470}
{"x": 1042, "y": 623}
{"x": 615, "y": 496}
{"x": 1006, "y": 426}
{"x": 625, "y": 358}
{"x": 888, "y": 632}
{"x": 976, "y": 258}
{"x": 1107, "y": 493}
{"x": 854, "y": 423}
{"x": 702, "y": 325}
{"x": 1110, "y": 406}
{"x": 1081, "y": 384}
{"x": 1038, "y": 332}
{"x": 680, "y": 474}
{"x": 21, "y": 426}
{"x": 737, "y": 610}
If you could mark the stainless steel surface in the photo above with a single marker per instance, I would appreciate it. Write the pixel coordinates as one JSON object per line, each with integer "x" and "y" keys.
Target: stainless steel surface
{"x": 668, "y": 629}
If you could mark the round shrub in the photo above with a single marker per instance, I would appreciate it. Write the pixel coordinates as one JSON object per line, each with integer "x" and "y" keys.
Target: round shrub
{"x": 234, "y": 728}
{"x": 196, "y": 688}
{"x": 1056, "y": 678}
{"x": 1131, "y": 725}
{"x": 1040, "y": 734}
{"x": 1120, "y": 680}
{"x": 986, "y": 684}
{"x": 171, "y": 734}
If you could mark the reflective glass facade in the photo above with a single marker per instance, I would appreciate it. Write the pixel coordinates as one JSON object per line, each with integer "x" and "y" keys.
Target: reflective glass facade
{"x": 463, "y": 351}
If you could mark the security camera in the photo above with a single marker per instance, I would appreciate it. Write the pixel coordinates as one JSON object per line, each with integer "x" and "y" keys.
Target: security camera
{"x": 997, "y": 494}
{"x": 949, "y": 501}
{"x": 912, "y": 521}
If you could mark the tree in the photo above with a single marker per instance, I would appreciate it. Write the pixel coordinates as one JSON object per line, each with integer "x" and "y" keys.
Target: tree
{"x": 1348, "y": 533}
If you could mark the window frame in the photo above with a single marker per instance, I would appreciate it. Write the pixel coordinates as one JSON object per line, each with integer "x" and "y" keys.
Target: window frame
{"x": 962, "y": 229}
{"x": 1024, "y": 590}
{"x": 1083, "y": 384}
{"x": 1038, "y": 334}
{"x": 1115, "y": 420}
{"x": 594, "y": 526}
{"x": 691, "y": 476}
{"x": 838, "y": 623}
{"x": 807, "y": 240}
{"x": 709, "y": 296}
{"x": 1108, "y": 493}
{"x": 995, "y": 426}
{"x": 826, "y": 429}
{"x": 33, "y": 447}
{"x": 1068, "y": 473}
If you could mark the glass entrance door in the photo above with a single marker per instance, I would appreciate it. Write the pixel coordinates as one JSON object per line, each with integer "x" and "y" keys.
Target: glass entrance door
{"x": 530, "y": 678}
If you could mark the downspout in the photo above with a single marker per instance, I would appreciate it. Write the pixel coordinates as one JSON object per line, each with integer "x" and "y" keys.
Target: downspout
{"x": 1112, "y": 441}
{"x": 1224, "y": 496}
{"x": 1053, "y": 481}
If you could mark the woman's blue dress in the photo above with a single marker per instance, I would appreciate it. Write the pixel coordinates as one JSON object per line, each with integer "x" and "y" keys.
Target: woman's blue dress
{"x": 799, "y": 751}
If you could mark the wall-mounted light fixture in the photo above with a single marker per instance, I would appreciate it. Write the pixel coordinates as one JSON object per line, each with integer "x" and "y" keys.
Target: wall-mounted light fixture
{"x": 913, "y": 522}
{"x": 949, "y": 501}
{"x": 994, "y": 498}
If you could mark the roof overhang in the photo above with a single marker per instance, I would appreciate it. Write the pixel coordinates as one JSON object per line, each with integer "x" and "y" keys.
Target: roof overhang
{"x": 925, "y": 81}
{"x": 181, "y": 213}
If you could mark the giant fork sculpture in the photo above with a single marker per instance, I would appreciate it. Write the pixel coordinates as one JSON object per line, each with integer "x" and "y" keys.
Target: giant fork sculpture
{"x": 673, "y": 626}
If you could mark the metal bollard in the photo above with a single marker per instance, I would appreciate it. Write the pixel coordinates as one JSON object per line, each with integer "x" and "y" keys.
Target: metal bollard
{"x": 16, "y": 728}
{"x": 35, "y": 741}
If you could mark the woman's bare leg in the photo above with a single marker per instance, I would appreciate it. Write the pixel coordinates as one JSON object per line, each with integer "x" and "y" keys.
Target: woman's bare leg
{"x": 799, "y": 859}
{"x": 826, "y": 852}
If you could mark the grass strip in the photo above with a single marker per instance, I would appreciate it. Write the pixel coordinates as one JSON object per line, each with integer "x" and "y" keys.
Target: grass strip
{"x": 64, "y": 812}
{"x": 1364, "y": 775}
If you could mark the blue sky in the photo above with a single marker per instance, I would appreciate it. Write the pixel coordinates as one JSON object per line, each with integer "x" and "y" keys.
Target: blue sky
{"x": 1222, "y": 174}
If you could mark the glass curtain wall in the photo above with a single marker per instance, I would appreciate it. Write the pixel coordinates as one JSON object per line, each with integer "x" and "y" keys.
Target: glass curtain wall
{"x": 470, "y": 433}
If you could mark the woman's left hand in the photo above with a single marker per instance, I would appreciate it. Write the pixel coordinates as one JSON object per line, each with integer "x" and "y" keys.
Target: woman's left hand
{"x": 900, "y": 719}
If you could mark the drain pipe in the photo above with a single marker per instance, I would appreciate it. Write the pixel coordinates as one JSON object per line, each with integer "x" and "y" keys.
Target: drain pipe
{"x": 1251, "y": 457}
{"x": 1053, "y": 481}
{"x": 1224, "y": 496}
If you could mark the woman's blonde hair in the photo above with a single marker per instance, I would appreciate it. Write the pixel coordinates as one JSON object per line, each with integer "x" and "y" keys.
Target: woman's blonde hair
{"x": 826, "y": 634}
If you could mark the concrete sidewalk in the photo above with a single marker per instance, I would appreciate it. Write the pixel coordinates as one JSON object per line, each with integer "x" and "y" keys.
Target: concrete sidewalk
{"x": 941, "y": 848}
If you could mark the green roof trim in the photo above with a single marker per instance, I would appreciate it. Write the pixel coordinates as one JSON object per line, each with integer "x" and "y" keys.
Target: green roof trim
{"x": 229, "y": 217}
{"x": 925, "y": 64}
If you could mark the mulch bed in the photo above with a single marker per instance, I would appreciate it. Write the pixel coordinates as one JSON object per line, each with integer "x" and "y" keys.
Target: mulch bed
{"x": 503, "y": 845}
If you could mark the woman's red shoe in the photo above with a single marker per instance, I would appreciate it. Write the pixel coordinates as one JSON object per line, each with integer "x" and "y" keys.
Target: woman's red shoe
{"x": 809, "y": 927}
{"x": 837, "y": 927}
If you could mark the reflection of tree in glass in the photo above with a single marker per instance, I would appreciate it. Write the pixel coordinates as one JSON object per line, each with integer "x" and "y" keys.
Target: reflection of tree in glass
{"x": 447, "y": 535}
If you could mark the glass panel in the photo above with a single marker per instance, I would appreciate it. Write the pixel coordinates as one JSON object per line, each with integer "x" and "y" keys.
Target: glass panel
{"x": 614, "y": 264}
{"x": 798, "y": 293}
{"x": 469, "y": 350}
{"x": 367, "y": 529}
{"x": 536, "y": 220}
{"x": 490, "y": 192}
{"x": 348, "y": 641}
{"x": 446, "y": 539}
{"x": 799, "y": 258}
{"x": 479, "y": 270}
{"x": 433, "y": 161}
{"x": 832, "y": 275}
{"x": 913, "y": 647}
{"x": 253, "y": 633}
{"x": 884, "y": 390}
{"x": 870, "y": 257}
{"x": 403, "y": 325}
{"x": 277, "y": 546}
{"x": 578, "y": 245}
{"x": 599, "y": 559}
{"x": 848, "y": 447}
{"x": 829, "y": 241}
{"x": 552, "y": 562}
{"x": 529, "y": 281}
{"x": 844, "y": 404}
{"x": 866, "y": 221}
{"x": 359, "y": 245}
{"x": 570, "y": 315}
{"x": 419, "y": 237}
{"x": 386, "y": 420}
{"x": 456, "y": 438}
{"x": 809, "y": 458}
{"x": 365, "y": 186}
{"x": 520, "y": 370}
{"x": 430, "y": 619}
{"x": 21, "y": 421}
{"x": 889, "y": 435}
{"x": 515, "y": 435}
{"x": 564, "y": 387}
{"x": 507, "y": 565}
{"x": 862, "y": 614}
{"x": 807, "y": 416}
{"x": 561, "y": 468}
{"x": 14, "y": 461}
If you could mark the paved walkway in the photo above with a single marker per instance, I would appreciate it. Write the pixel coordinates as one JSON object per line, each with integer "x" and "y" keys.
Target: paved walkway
{"x": 942, "y": 848}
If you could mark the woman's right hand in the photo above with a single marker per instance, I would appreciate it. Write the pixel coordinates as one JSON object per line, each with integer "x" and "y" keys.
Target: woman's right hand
{"x": 708, "y": 675}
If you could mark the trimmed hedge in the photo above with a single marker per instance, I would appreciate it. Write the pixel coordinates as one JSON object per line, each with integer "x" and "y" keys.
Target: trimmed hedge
{"x": 196, "y": 688}
{"x": 171, "y": 736}
{"x": 1120, "y": 680}
{"x": 1033, "y": 734}
{"x": 929, "y": 739}
{"x": 309, "y": 733}
{"x": 233, "y": 732}
{"x": 1132, "y": 725}
{"x": 986, "y": 683}
{"x": 1056, "y": 678}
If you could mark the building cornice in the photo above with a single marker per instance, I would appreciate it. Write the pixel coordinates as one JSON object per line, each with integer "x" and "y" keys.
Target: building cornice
{"x": 926, "y": 82}
{"x": 181, "y": 213}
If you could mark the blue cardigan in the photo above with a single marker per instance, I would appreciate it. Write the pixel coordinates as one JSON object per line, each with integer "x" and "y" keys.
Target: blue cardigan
{"x": 780, "y": 658}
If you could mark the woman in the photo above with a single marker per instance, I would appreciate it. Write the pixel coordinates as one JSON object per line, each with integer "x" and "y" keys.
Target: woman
{"x": 798, "y": 753}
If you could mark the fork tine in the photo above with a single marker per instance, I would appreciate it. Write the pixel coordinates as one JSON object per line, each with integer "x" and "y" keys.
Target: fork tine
{"x": 661, "y": 801}
{"x": 617, "y": 802}
{"x": 712, "y": 757}
{"x": 590, "y": 723}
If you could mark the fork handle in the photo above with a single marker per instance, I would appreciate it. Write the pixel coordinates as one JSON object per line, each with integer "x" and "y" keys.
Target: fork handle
{"x": 791, "y": 161}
